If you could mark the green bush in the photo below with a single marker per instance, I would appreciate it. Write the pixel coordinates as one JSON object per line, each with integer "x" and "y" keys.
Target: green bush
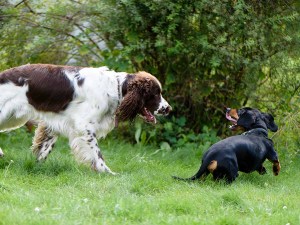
{"x": 208, "y": 54}
{"x": 173, "y": 133}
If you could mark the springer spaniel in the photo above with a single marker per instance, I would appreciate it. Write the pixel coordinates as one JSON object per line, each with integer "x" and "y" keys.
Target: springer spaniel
{"x": 80, "y": 103}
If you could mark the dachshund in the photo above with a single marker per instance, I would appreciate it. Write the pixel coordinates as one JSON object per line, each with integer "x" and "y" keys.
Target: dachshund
{"x": 246, "y": 152}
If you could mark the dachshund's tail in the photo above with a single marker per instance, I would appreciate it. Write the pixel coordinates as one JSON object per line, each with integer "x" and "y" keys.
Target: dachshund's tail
{"x": 202, "y": 172}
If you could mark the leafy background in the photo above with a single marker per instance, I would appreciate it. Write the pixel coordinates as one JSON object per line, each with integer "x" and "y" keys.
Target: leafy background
{"x": 208, "y": 55}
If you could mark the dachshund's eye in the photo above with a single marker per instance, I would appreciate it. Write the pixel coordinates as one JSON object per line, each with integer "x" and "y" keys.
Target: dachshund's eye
{"x": 241, "y": 112}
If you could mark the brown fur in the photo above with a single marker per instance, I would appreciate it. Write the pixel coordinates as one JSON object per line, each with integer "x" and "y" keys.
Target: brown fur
{"x": 233, "y": 114}
{"x": 212, "y": 166}
{"x": 41, "y": 134}
{"x": 48, "y": 87}
{"x": 140, "y": 90}
{"x": 276, "y": 168}
{"x": 30, "y": 125}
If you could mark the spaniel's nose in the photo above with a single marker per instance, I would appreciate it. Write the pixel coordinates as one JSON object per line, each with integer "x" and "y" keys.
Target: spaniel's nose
{"x": 165, "y": 110}
{"x": 168, "y": 109}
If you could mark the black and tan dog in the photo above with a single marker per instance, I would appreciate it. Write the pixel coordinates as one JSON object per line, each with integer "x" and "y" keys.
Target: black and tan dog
{"x": 246, "y": 152}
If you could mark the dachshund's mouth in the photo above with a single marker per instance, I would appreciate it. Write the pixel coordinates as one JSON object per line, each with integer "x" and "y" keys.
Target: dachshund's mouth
{"x": 232, "y": 116}
{"x": 231, "y": 119}
{"x": 148, "y": 116}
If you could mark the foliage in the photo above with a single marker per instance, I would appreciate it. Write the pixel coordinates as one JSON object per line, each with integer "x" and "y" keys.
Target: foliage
{"x": 208, "y": 54}
{"x": 280, "y": 92}
{"x": 174, "y": 134}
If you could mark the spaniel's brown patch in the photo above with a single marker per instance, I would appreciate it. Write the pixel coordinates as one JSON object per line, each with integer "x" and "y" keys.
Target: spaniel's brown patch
{"x": 49, "y": 89}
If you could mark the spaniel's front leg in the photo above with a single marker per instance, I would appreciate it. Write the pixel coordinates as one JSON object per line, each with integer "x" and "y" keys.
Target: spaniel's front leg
{"x": 86, "y": 150}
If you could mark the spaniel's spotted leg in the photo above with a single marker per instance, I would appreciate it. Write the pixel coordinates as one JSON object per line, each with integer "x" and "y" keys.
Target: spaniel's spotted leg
{"x": 86, "y": 150}
{"x": 43, "y": 141}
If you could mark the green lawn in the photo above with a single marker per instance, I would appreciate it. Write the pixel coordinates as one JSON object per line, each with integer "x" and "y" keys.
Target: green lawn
{"x": 60, "y": 191}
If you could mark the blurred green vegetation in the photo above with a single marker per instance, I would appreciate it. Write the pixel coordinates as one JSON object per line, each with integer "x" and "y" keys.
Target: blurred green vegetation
{"x": 208, "y": 54}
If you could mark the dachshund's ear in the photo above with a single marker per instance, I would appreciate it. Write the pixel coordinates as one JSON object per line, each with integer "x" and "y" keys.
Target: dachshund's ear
{"x": 130, "y": 106}
{"x": 246, "y": 119}
{"x": 269, "y": 120}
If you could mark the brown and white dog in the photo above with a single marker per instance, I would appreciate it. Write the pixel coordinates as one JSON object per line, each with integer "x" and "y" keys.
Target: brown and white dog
{"x": 80, "y": 103}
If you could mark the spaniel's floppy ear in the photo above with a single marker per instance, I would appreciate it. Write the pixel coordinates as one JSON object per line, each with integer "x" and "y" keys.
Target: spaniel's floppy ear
{"x": 135, "y": 88}
{"x": 130, "y": 106}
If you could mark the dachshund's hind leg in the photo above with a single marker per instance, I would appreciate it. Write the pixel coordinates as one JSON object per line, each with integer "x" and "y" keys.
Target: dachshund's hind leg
{"x": 261, "y": 170}
{"x": 229, "y": 172}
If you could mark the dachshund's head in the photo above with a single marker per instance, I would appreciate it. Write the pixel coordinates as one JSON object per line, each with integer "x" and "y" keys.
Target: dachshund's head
{"x": 248, "y": 118}
{"x": 142, "y": 95}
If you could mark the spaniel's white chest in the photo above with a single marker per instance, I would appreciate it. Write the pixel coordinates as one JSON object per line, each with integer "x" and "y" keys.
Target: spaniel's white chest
{"x": 104, "y": 122}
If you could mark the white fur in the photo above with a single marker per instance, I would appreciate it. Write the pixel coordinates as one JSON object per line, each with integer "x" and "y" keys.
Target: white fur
{"x": 14, "y": 107}
{"x": 163, "y": 104}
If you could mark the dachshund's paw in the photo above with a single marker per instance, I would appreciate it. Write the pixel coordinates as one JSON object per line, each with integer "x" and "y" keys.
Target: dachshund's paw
{"x": 276, "y": 168}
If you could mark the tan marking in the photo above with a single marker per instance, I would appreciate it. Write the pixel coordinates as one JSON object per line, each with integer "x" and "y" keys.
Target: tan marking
{"x": 212, "y": 166}
{"x": 238, "y": 128}
{"x": 233, "y": 113}
{"x": 276, "y": 168}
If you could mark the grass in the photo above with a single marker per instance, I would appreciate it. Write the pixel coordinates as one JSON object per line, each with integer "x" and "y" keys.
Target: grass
{"x": 59, "y": 191}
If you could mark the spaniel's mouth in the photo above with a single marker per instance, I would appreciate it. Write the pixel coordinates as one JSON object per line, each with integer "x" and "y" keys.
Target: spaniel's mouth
{"x": 148, "y": 116}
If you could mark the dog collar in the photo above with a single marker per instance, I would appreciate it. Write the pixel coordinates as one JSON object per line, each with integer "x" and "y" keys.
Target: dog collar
{"x": 119, "y": 98}
{"x": 119, "y": 89}
{"x": 256, "y": 131}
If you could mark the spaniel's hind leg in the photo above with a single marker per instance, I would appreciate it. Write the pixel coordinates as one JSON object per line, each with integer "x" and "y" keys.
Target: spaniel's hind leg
{"x": 86, "y": 150}
{"x": 43, "y": 141}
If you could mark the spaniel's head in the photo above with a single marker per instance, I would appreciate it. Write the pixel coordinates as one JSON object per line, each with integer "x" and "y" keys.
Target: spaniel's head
{"x": 142, "y": 96}
{"x": 248, "y": 118}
